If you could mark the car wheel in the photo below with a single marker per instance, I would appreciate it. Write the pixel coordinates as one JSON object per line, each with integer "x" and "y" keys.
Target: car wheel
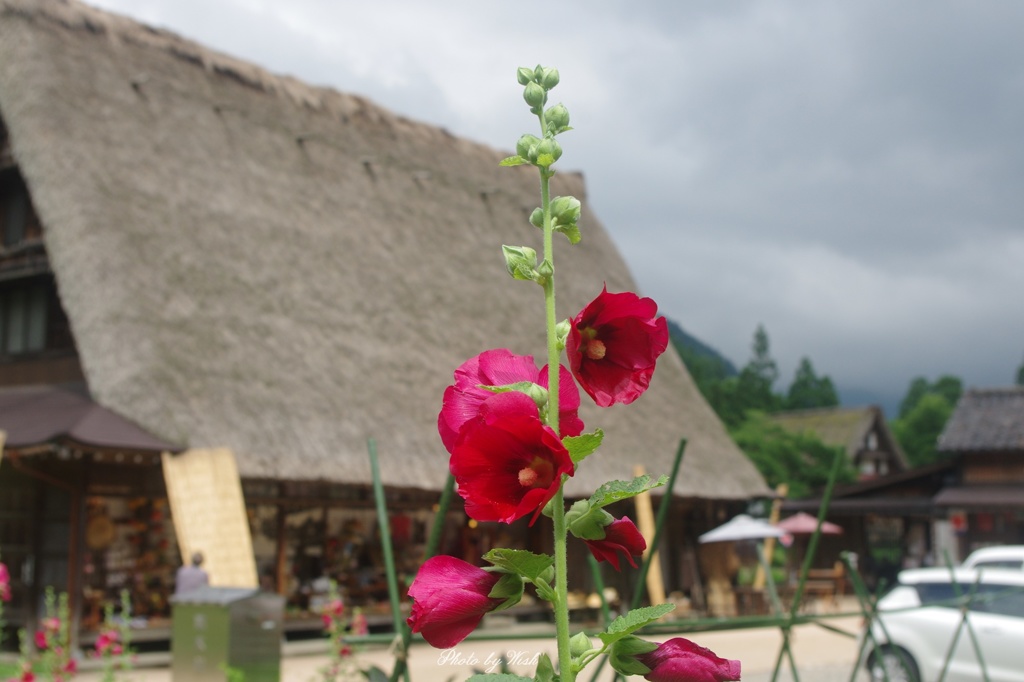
{"x": 897, "y": 663}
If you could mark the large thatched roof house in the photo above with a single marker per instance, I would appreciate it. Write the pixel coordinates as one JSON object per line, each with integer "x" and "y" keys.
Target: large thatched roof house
{"x": 250, "y": 262}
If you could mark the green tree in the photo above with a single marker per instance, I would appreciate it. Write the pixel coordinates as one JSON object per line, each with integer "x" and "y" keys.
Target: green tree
{"x": 801, "y": 460}
{"x": 1020, "y": 375}
{"x": 949, "y": 387}
{"x": 758, "y": 376}
{"x": 918, "y": 432}
{"x": 809, "y": 390}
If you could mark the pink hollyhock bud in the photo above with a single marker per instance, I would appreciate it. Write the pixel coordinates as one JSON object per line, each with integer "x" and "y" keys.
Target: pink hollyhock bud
{"x": 680, "y": 660}
{"x": 449, "y": 599}
{"x": 508, "y": 464}
{"x": 41, "y": 639}
{"x": 621, "y": 535}
{"x": 613, "y": 345}
{"x": 359, "y": 624}
{"x": 501, "y": 367}
{"x": 5, "y": 583}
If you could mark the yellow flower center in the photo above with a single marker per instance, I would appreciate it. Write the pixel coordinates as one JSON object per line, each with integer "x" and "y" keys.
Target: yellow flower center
{"x": 595, "y": 349}
{"x": 539, "y": 474}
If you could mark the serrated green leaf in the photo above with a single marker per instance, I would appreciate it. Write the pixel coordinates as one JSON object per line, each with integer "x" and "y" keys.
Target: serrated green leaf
{"x": 614, "y": 491}
{"x": 498, "y": 677}
{"x": 571, "y": 232}
{"x": 513, "y": 161}
{"x": 521, "y": 562}
{"x": 629, "y": 623}
{"x": 583, "y": 445}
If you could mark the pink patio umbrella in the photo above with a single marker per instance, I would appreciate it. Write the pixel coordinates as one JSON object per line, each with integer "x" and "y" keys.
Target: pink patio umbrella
{"x": 803, "y": 523}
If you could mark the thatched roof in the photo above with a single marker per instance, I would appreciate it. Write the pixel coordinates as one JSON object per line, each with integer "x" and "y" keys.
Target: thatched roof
{"x": 252, "y": 262}
{"x": 847, "y": 428}
{"x": 986, "y": 420}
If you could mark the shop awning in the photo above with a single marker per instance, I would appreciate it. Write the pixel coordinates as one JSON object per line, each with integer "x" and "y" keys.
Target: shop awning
{"x": 36, "y": 415}
{"x": 981, "y": 496}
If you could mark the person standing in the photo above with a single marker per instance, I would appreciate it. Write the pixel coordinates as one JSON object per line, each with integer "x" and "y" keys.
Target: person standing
{"x": 191, "y": 577}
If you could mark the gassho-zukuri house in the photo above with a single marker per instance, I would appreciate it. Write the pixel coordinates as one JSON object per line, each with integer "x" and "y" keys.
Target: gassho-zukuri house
{"x": 212, "y": 274}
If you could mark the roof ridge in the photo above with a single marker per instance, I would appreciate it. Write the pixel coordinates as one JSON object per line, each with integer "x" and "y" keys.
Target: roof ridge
{"x": 76, "y": 15}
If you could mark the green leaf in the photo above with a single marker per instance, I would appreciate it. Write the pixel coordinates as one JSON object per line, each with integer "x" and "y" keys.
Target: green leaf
{"x": 545, "y": 670}
{"x": 614, "y": 491}
{"x": 498, "y": 677}
{"x": 583, "y": 445}
{"x": 571, "y": 232}
{"x": 630, "y": 622}
{"x": 521, "y": 562}
{"x": 375, "y": 674}
{"x": 513, "y": 161}
{"x": 509, "y": 588}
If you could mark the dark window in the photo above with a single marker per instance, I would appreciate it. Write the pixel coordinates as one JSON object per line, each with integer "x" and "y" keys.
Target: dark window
{"x": 31, "y": 318}
{"x": 18, "y": 220}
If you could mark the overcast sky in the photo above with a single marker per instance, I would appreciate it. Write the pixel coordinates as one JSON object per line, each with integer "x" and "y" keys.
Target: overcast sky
{"x": 848, "y": 174}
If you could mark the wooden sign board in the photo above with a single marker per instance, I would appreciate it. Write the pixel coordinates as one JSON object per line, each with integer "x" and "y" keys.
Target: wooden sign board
{"x": 209, "y": 515}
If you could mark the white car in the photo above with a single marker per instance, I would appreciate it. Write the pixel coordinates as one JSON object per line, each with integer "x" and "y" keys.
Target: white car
{"x": 921, "y": 618}
{"x": 999, "y": 556}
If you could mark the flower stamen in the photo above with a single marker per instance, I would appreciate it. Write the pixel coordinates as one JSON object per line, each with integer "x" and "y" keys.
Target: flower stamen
{"x": 595, "y": 349}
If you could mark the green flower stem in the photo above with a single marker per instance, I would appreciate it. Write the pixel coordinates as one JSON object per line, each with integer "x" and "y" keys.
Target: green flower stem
{"x": 561, "y": 605}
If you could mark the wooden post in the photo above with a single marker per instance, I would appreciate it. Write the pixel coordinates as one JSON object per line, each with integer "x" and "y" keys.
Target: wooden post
{"x": 645, "y": 519}
{"x": 769, "y": 544}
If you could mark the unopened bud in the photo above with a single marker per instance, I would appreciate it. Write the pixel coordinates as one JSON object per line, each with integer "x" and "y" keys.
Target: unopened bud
{"x": 548, "y": 151}
{"x": 565, "y": 210}
{"x": 534, "y": 95}
{"x": 525, "y": 144}
{"x": 549, "y": 78}
{"x": 537, "y": 217}
{"x": 557, "y": 118}
{"x": 524, "y": 75}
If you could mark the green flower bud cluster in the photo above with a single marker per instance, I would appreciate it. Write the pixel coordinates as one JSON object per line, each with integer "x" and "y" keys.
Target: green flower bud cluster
{"x": 542, "y": 152}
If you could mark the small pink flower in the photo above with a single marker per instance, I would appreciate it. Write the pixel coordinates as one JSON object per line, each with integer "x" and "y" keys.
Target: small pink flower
{"x": 449, "y": 599}
{"x": 621, "y": 535}
{"x": 680, "y": 660}
{"x": 501, "y": 367}
{"x": 613, "y": 345}
{"x": 42, "y": 641}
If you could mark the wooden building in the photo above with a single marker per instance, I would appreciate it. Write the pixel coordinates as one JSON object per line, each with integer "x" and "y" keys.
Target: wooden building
{"x": 222, "y": 257}
{"x": 861, "y": 431}
{"x": 985, "y": 436}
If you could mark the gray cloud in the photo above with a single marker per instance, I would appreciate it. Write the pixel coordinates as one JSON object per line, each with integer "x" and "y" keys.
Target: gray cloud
{"x": 847, "y": 174}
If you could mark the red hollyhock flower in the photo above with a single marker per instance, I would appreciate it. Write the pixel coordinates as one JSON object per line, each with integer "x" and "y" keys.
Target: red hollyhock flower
{"x": 613, "y": 345}
{"x": 621, "y": 535}
{"x": 501, "y": 367}
{"x": 449, "y": 599}
{"x": 680, "y": 660}
{"x": 508, "y": 463}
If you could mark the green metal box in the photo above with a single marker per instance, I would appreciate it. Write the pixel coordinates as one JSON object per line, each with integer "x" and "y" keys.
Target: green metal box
{"x": 215, "y": 629}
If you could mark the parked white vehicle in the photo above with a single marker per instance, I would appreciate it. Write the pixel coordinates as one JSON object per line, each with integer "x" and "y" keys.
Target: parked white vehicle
{"x": 920, "y": 619}
{"x": 999, "y": 556}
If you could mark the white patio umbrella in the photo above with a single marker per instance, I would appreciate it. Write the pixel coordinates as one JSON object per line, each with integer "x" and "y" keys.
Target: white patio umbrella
{"x": 742, "y": 527}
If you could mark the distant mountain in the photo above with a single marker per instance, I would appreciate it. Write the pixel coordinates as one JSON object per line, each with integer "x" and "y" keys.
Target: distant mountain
{"x": 700, "y": 358}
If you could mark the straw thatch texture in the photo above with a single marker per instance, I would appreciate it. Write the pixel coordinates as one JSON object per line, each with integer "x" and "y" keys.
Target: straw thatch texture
{"x": 251, "y": 262}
